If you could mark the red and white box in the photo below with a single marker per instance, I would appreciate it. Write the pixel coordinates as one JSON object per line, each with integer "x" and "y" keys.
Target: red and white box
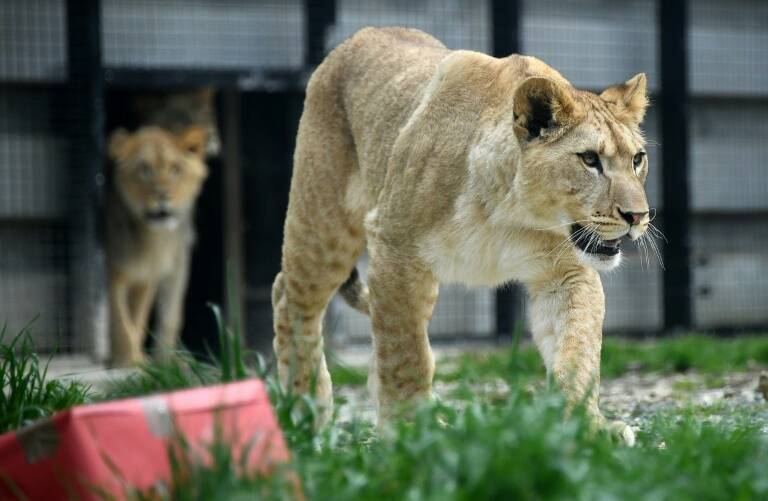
{"x": 91, "y": 451}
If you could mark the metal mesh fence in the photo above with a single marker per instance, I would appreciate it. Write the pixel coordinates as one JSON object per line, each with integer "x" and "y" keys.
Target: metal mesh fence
{"x": 729, "y": 183}
{"x": 34, "y": 251}
{"x": 42, "y": 204}
{"x": 203, "y": 34}
{"x": 34, "y": 282}
{"x": 593, "y": 43}
{"x": 32, "y": 182}
{"x": 33, "y": 40}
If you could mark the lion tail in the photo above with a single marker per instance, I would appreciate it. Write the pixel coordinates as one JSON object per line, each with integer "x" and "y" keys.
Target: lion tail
{"x": 355, "y": 292}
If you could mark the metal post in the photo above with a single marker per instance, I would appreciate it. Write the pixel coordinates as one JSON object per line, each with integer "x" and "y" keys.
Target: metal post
{"x": 319, "y": 16}
{"x": 233, "y": 210}
{"x": 87, "y": 284}
{"x": 505, "y": 27}
{"x": 672, "y": 15}
{"x": 505, "y": 39}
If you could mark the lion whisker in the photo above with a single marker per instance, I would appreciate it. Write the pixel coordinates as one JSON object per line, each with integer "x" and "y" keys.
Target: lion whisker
{"x": 561, "y": 225}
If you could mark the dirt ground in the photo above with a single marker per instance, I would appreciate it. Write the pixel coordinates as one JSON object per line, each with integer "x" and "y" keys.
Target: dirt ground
{"x": 637, "y": 396}
{"x": 634, "y": 398}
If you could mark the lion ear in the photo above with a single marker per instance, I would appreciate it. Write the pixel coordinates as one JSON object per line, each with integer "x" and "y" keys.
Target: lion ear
{"x": 542, "y": 107}
{"x": 192, "y": 140}
{"x": 629, "y": 99}
{"x": 205, "y": 94}
{"x": 119, "y": 144}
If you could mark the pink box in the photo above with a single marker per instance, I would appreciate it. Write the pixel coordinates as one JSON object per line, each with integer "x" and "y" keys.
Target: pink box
{"x": 104, "y": 448}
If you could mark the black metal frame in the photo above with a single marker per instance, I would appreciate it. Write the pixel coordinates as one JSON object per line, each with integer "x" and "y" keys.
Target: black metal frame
{"x": 673, "y": 52}
{"x": 319, "y": 16}
{"x": 505, "y": 39}
{"x": 85, "y": 88}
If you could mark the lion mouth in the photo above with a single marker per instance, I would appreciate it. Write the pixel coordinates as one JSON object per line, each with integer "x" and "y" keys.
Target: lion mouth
{"x": 589, "y": 242}
{"x": 158, "y": 215}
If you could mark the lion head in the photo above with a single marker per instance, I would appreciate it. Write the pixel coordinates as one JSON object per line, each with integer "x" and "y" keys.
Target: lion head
{"x": 157, "y": 174}
{"x": 583, "y": 163}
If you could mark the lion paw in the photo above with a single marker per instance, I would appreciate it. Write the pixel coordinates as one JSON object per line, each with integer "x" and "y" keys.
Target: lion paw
{"x": 622, "y": 431}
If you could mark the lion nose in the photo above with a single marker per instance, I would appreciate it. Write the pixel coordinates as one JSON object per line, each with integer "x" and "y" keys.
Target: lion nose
{"x": 632, "y": 217}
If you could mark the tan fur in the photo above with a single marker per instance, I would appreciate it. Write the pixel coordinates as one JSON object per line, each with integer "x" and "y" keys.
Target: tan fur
{"x": 432, "y": 160}
{"x": 156, "y": 178}
{"x": 175, "y": 111}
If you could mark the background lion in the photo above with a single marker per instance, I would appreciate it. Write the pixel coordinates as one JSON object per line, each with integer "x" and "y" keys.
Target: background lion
{"x": 455, "y": 166}
{"x": 156, "y": 179}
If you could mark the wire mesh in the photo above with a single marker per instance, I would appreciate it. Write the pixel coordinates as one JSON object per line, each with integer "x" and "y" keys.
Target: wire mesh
{"x": 40, "y": 205}
{"x": 728, "y": 44}
{"x": 459, "y": 24}
{"x": 203, "y": 34}
{"x": 729, "y": 184}
{"x": 34, "y": 283}
{"x": 32, "y": 182}
{"x": 33, "y": 204}
{"x": 33, "y": 40}
{"x": 593, "y": 43}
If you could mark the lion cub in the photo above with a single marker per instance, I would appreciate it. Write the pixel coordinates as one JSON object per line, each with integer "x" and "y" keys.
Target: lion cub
{"x": 156, "y": 179}
{"x": 454, "y": 166}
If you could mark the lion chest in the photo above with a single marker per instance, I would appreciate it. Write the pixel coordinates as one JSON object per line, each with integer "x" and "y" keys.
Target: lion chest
{"x": 155, "y": 257}
{"x": 478, "y": 255}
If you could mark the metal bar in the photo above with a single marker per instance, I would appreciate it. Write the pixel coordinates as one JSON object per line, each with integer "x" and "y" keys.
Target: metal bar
{"x": 505, "y": 40}
{"x": 87, "y": 282}
{"x": 673, "y": 55}
{"x": 505, "y": 27}
{"x": 245, "y": 79}
{"x": 320, "y": 15}
{"x": 170, "y": 78}
{"x": 232, "y": 195}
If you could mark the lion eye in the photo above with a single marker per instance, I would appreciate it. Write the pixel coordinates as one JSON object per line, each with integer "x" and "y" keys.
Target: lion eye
{"x": 591, "y": 159}
{"x": 175, "y": 169}
{"x": 637, "y": 160}
{"x": 145, "y": 172}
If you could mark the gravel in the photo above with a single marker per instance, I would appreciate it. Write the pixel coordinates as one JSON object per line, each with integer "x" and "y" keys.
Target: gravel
{"x": 634, "y": 398}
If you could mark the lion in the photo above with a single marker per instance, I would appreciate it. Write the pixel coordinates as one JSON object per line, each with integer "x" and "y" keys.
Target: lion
{"x": 455, "y": 167}
{"x": 156, "y": 178}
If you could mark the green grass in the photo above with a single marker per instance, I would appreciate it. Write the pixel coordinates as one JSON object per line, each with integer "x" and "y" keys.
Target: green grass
{"x": 479, "y": 447}
{"x": 520, "y": 449}
{"x": 680, "y": 354}
{"x": 179, "y": 372}
{"x": 710, "y": 356}
{"x": 26, "y": 394}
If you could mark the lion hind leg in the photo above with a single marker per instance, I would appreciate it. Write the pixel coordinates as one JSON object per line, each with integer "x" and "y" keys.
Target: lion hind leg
{"x": 323, "y": 239}
{"x": 300, "y": 294}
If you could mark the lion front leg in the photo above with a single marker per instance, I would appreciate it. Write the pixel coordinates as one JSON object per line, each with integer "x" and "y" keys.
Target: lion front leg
{"x": 566, "y": 316}
{"x": 126, "y": 337}
{"x": 402, "y": 298}
{"x": 170, "y": 310}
